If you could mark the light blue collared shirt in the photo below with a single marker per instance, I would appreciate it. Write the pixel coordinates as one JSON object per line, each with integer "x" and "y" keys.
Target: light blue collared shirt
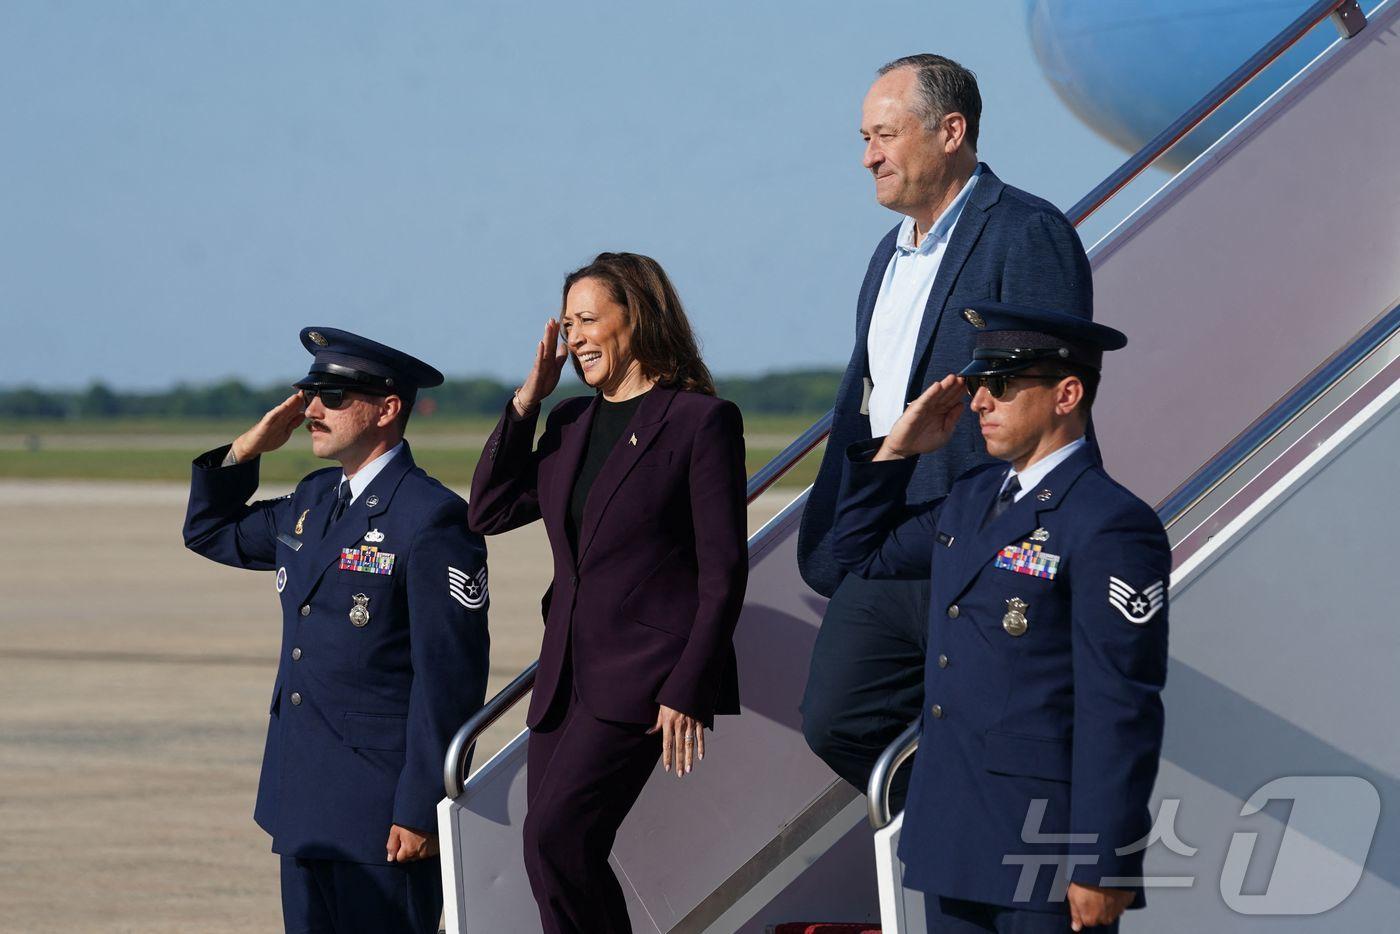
{"x": 1035, "y": 473}
{"x": 899, "y": 309}
{"x": 368, "y": 472}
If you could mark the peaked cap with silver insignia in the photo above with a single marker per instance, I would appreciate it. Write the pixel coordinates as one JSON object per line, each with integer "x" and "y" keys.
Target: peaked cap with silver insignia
{"x": 1011, "y": 338}
{"x": 349, "y": 361}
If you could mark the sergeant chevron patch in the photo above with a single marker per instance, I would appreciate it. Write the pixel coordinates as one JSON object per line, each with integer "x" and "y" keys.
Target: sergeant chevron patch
{"x": 467, "y": 589}
{"x": 1136, "y": 606}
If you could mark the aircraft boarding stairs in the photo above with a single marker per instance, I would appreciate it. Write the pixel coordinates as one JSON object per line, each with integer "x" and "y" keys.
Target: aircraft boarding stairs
{"x": 1258, "y": 403}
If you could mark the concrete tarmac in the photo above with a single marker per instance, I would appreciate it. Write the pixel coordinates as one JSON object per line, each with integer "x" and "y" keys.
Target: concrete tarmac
{"x": 134, "y": 684}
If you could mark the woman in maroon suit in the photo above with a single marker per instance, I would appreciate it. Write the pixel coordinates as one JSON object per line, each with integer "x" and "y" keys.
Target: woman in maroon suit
{"x": 641, "y": 489}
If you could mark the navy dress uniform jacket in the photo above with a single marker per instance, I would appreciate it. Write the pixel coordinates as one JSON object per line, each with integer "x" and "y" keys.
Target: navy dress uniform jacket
{"x": 1068, "y": 711}
{"x": 361, "y": 716}
{"x": 645, "y": 612}
{"x": 1008, "y": 246}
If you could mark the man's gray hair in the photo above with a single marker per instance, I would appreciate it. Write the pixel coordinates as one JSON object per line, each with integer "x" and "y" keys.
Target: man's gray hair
{"x": 944, "y": 87}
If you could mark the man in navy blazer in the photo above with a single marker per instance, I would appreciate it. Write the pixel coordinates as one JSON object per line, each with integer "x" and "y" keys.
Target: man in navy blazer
{"x": 966, "y": 237}
{"x": 1042, "y": 729}
{"x": 384, "y": 642}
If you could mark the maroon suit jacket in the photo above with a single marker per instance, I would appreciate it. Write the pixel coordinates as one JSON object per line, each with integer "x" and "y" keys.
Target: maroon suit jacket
{"x": 651, "y": 599}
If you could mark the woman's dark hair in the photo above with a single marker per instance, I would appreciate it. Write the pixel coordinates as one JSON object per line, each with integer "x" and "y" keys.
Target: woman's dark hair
{"x": 662, "y": 340}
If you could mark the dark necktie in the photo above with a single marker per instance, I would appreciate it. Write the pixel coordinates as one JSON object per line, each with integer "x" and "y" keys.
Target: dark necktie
{"x": 342, "y": 503}
{"x": 1004, "y": 501}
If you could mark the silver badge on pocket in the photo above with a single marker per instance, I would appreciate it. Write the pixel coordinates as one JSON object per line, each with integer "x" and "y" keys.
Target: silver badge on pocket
{"x": 359, "y": 613}
{"x": 1015, "y": 622}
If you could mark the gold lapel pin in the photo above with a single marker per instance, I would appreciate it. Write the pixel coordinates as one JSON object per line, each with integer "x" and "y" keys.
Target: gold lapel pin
{"x": 633, "y": 442}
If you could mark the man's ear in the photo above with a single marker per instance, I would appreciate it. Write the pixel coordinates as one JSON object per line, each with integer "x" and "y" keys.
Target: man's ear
{"x": 389, "y": 411}
{"x": 955, "y": 125}
{"x": 1069, "y": 395}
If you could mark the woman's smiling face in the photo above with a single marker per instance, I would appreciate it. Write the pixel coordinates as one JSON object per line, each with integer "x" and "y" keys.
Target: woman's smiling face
{"x": 597, "y": 333}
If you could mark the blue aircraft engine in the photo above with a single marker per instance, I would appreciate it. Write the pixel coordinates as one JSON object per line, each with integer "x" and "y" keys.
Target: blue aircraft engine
{"x": 1128, "y": 68}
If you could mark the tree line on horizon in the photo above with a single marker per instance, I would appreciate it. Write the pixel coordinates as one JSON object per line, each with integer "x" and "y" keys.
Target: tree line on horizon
{"x": 798, "y": 392}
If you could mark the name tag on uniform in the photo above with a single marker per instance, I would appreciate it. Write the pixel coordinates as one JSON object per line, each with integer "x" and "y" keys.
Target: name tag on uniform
{"x": 292, "y": 543}
{"x": 368, "y": 560}
{"x": 945, "y": 539}
{"x": 1028, "y": 558}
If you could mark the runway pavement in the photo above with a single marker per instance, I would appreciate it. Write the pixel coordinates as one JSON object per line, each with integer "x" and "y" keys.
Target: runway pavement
{"x": 134, "y": 684}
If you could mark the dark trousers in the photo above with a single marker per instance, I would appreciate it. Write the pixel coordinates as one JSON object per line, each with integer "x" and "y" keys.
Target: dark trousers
{"x": 866, "y": 683}
{"x": 330, "y": 896}
{"x": 582, "y": 777}
{"x": 959, "y": 916}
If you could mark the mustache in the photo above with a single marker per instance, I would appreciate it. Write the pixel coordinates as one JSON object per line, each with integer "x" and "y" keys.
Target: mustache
{"x": 314, "y": 425}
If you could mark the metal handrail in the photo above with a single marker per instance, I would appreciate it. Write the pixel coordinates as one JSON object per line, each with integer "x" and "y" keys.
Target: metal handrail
{"x": 1219, "y": 468}
{"x": 1349, "y": 19}
{"x": 877, "y": 790}
{"x": 454, "y": 764}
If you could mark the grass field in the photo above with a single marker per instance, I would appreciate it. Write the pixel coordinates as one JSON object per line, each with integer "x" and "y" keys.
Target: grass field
{"x": 161, "y": 449}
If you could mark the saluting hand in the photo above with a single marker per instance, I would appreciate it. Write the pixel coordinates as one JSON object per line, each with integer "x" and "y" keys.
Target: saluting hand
{"x": 682, "y": 740}
{"x": 927, "y": 422}
{"x": 544, "y": 375}
{"x": 405, "y": 845}
{"x": 272, "y": 430}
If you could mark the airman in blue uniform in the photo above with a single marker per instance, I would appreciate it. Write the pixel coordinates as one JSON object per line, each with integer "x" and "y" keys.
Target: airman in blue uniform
{"x": 384, "y": 640}
{"x": 1042, "y": 724}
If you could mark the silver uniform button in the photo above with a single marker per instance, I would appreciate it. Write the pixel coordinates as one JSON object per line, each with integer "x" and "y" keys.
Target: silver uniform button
{"x": 296, "y": 699}
{"x": 942, "y": 661}
{"x": 953, "y": 611}
{"x": 936, "y": 710}
{"x": 306, "y": 610}
{"x": 296, "y": 655}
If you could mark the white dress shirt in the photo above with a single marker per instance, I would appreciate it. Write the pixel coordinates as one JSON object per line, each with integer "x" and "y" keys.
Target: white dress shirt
{"x": 899, "y": 310}
{"x": 368, "y": 472}
{"x": 1032, "y": 476}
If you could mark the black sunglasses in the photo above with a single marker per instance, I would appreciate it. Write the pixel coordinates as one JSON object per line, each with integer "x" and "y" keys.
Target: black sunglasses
{"x": 333, "y": 398}
{"x": 996, "y": 385}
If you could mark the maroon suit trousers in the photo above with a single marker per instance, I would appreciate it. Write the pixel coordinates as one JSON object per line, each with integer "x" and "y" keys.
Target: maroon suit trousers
{"x": 583, "y": 775}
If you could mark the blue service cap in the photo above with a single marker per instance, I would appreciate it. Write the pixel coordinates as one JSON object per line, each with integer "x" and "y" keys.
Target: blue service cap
{"x": 350, "y": 361}
{"x": 1011, "y": 338}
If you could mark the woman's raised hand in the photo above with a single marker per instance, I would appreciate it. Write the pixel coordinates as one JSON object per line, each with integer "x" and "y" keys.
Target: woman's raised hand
{"x": 544, "y": 375}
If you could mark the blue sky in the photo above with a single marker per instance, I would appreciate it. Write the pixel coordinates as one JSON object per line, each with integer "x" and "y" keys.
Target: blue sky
{"x": 188, "y": 184}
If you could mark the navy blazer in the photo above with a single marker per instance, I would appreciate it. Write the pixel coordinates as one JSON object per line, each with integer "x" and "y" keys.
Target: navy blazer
{"x": 1008, "y": 246}
{"x": 649, "y": 604}
{"x": 361, "y": 715}
{"x": 1060, "y": 704}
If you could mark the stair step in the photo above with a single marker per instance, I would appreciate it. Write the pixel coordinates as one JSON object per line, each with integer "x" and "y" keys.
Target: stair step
{"x": 821, "y": 927}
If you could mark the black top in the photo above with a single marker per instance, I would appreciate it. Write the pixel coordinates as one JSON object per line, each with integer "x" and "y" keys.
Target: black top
{"x": 609, "y": 424}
